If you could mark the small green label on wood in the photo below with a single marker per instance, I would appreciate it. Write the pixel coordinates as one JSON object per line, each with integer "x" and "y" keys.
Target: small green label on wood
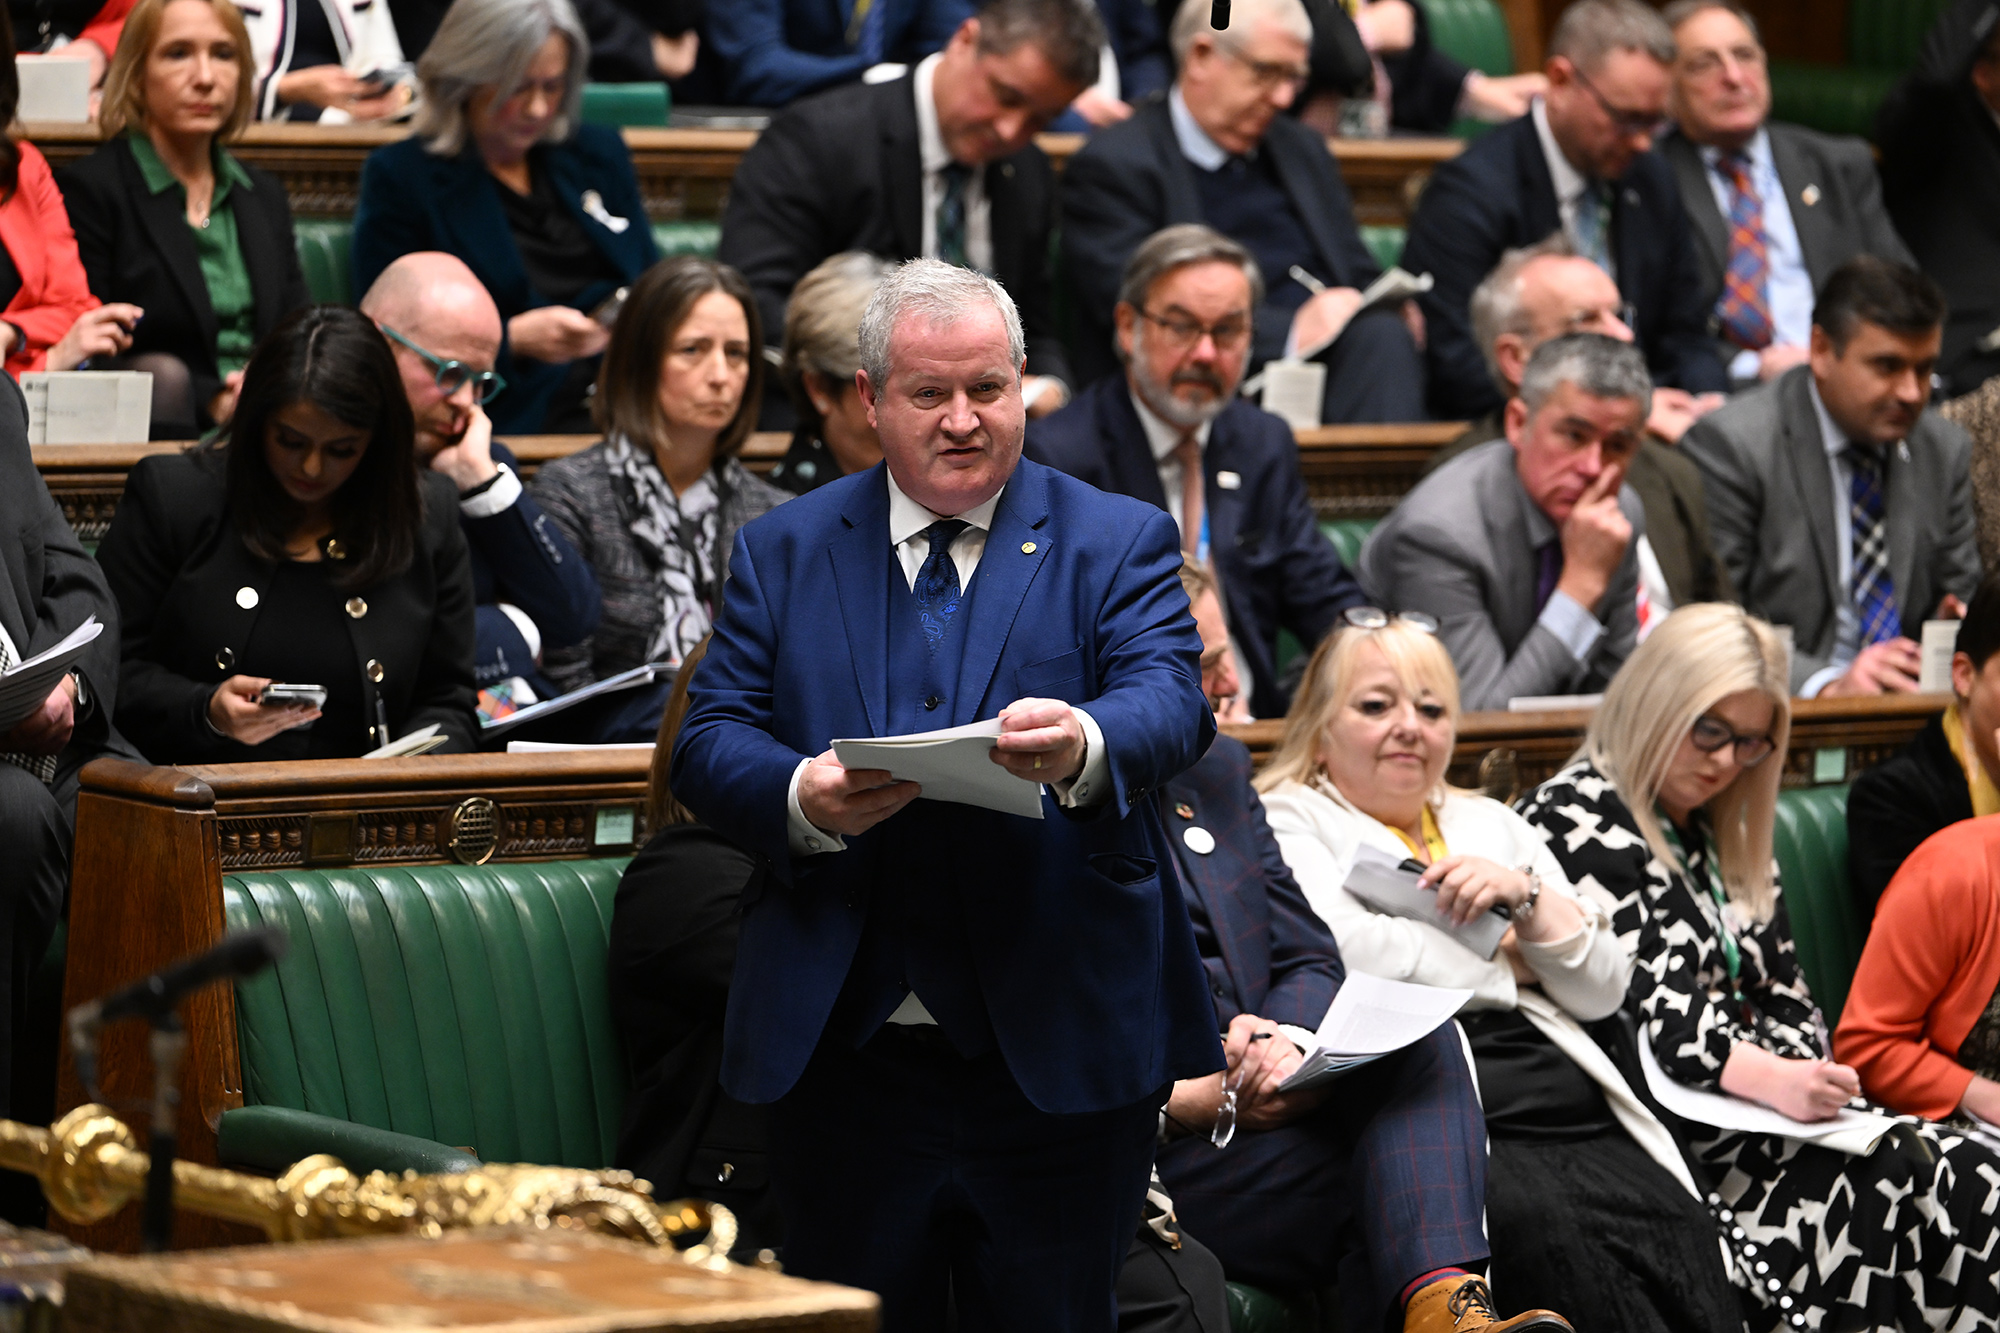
{"x": 1829, "y": 765}
{"x": 615, "y": 826}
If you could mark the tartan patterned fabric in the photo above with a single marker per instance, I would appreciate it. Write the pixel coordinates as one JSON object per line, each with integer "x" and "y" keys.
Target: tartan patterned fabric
{"x": 1873, "y": 591}
{"x": 951, "y": 215}
{"x": 1745, "y": 308}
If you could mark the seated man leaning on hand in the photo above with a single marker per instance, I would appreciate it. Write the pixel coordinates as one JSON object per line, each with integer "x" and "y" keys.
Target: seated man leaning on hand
{"x": 1522, "y": 549}
{"x": 1378, "y": 1181}
{"x": 1171, "y": 431}
{"x": 1842, "y": 507}
{"x": 534, "y": 591}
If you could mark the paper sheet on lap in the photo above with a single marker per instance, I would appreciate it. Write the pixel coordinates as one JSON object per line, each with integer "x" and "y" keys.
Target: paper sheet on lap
{"x": 954, "y": 765}
{"x": 1370, "y": 1017}
{"x": 1850, "y": 1132}
{"x": 24, "y": 687}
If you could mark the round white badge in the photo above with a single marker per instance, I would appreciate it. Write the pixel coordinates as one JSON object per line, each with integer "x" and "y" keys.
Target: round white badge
{"x": 1199, "y": 840}
{"x": 246, "y": 598}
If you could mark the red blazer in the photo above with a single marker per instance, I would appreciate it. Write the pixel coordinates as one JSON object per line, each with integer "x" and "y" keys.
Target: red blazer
{"x": 108, "y": 26}
{"x": 34, "y": 226}
{"x": 1930, "y": 966}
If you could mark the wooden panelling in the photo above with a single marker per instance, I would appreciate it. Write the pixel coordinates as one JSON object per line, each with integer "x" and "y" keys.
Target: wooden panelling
{"x": 685, "y": 173}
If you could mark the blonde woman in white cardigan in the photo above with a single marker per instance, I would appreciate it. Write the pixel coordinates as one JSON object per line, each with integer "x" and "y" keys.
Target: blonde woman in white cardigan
{"x": 1589, "y": 1201}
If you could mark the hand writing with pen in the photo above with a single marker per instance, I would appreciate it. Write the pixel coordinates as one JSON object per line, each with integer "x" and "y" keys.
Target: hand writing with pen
{"x": 1244, "y": 1094}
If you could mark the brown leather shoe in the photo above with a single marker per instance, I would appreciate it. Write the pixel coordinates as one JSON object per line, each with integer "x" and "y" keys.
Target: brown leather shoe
{"x": 1465, "y": 1305}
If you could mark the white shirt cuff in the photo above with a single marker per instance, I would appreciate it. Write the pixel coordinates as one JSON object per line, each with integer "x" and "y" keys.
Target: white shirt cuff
{"x": 1093, "y": 782}
{"x": 801, "y": 834}
{"x": 495, "y": 499}
{"x": 1745, "y": 367}
{"x": 1822, "y": 678}
{"x": 1572, "y": 622}
{"x": 531, "y": 633}
{"x": 1306, "y": 1041}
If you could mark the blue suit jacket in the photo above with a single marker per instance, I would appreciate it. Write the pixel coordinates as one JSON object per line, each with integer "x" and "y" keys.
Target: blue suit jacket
{"x": 1078, "y": 940}
{"x": 1278, "y": 570}
{"x": 520, "y": 557}
{"x": 413, "y": 199}
{"x": 1266, "y": 950}
{"x": 1498, "y": 194}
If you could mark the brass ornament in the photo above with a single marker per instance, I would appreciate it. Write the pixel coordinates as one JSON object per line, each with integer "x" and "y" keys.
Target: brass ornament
{"x": 471, "y": 831}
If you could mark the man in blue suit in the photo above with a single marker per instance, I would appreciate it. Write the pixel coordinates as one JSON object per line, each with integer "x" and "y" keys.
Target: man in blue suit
{"x": 1580, "y": 162}
{"x": 534, "y": 591}
{"x": 1171, "y": 431}
{"x": 1395, "y": 1151}
{"x": 968, "y": 1020}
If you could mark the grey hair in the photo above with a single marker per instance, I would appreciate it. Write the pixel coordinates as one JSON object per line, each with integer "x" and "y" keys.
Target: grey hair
{"x": 1680, "y": 11}
{"x": 1178, "y": 246}
{"x": 1193, "y": 20}
{"x": 1069, "y": 33}
{"x": 938, "y": 294}
{"x": 1599, "y": 366}
{"x": 1590, "y": 30}
{"x": 490, "y": 44}
{"x": 823, "y": 320}
{"x": 1496, "y": 302}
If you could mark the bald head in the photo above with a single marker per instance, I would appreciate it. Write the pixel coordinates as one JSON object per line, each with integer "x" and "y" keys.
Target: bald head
{"x": 1558, "y": 294}
{"x": 434, "y": 301}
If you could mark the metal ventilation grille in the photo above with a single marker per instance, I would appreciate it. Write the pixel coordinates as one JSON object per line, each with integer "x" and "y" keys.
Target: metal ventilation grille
{"x": 474, "y": 831}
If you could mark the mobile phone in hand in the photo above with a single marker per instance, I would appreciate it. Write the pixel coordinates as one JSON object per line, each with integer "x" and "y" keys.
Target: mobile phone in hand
{"x": 278, "y": 694}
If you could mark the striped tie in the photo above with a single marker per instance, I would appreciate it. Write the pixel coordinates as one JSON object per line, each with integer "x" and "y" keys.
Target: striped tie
{"x": 1874, "y": 591}
{"x": 1745, "y": 308}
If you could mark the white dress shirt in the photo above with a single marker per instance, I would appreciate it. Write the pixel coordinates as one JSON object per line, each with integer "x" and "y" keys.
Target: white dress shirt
{"x": 1569, "y": 182}
{"x": 1788, "y": 290}
{"x": 1194, "y": 142}
{"x": 936, "y": 157}
{"x": 1846, "y": 620}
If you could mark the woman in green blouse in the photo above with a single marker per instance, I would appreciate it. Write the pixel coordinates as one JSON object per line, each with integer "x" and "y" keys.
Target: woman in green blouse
{"x": 167, "y": 219}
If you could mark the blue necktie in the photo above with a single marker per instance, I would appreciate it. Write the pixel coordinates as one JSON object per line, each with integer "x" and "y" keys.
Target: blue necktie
{"x": 937, "y": 581}
{"x": 951, "y": 242}
{"x": 1874, "y": 590}
{"x": 1593, "y": 225}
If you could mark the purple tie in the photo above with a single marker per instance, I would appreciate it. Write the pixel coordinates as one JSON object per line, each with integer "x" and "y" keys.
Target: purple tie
{"x": 1551, "y": 557}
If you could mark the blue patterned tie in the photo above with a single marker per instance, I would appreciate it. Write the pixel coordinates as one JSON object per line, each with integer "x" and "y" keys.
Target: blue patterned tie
{"x": 1874, "y": 591}
{"x": 951, "y": 243}
{"x": 937, "y": 581}
{"x": 1593, "y": 225}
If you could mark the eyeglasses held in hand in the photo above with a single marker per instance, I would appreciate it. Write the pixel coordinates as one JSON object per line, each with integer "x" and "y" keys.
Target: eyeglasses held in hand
{"x": 1711, "y": 734}
{"x": 1225, "y": 1115}
{"x": 1374, "y": 617}
{"x": 1183, "y": 332}
{"x": 455, "y": 375}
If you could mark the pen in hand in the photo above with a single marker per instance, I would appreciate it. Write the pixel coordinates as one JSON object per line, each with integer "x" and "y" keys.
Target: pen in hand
{"x": 1307, "y": 280}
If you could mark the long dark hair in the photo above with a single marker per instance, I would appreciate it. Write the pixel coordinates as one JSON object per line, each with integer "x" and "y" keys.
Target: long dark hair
{"x": 10, "y": 106}
{"x": 334, "y": 358}
{"x": 628, "y": 383}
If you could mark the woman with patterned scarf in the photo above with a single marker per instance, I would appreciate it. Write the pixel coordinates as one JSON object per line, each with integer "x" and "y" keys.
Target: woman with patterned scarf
{"x": 656, "y": 505}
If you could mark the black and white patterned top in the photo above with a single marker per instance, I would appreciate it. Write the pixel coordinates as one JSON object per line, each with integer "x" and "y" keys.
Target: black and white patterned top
{"x": 1687, "y": 1004}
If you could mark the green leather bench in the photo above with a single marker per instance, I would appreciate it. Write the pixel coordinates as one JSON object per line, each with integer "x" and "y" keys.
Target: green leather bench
{"x": 1883, "y": 38}
{"x": 1474, "y": 33}
{"x": 622, "y": 104}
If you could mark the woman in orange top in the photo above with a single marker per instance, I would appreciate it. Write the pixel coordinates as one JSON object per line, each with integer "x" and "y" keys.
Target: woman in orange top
{"x": 1921, "y": 1026}
{"x": 50, "y": 320}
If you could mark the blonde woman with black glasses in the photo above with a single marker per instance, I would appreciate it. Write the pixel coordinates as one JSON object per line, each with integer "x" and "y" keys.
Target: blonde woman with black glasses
{"x": 1668, "y": 810}
{"x": 1590, "y": 1207}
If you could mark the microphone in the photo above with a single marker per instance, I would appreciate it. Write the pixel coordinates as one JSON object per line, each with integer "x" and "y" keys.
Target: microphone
{"x": 1218, "y": 14}
{"x": 239, "y": 955}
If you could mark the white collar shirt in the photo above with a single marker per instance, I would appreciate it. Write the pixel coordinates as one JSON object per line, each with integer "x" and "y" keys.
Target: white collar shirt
{"x": 1195, "y": 145}
{"x": 1788, "y": 289}
{"x": 935, "y": 158}
{"x": 1568, "y": 181}
{"x": 1163, "y": 437}
{"x": 909, "y": 533}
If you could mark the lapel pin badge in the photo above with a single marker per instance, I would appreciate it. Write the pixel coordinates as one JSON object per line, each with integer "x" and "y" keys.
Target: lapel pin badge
{"x": 1809, "y": 196}
{"x": 593, "y": 204}
{"x": 1184, "y": 810}
{"x": 1027, "y": 548}
{"x": 1199, "y": 840}
{"x": 1229, "y": 481}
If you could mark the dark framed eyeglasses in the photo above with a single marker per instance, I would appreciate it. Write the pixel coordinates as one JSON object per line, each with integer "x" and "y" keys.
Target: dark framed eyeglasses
{"x": 1182, "y": 332}
{"x": 1270, "y": 75}
{"x": 454, "y": 375}
{"x": 1374, "y": 617}
{"x": 1626, "y": 122}
{"x": 1711, "y": 734}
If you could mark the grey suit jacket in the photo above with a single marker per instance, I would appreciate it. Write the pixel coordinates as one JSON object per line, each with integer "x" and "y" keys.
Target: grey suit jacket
{"x": 1461, "y": 547}
{"x": 1833, "y": 192}
{"x": 1770, "y": 511}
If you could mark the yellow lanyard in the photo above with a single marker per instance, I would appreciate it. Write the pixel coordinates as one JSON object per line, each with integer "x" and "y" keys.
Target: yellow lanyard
{"x": 1433, "y": 840}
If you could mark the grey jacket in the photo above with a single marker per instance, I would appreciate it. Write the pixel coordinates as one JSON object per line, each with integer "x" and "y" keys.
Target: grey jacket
{"x": 1770, "y": 511}
{"x": 1462, "y": 547}
{"x": 576, "y": 492}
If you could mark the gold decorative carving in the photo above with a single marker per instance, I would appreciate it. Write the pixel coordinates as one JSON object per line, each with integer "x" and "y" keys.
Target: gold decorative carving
{"x": 471, "y": 830}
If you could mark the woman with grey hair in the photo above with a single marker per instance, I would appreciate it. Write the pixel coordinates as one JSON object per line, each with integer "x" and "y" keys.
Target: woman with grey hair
{"x": 503, "y": 173}
{"x": 822, "y": 351}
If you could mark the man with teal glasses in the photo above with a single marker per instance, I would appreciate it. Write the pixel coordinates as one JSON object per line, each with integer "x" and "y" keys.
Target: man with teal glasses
{"x": 534, "y": 591}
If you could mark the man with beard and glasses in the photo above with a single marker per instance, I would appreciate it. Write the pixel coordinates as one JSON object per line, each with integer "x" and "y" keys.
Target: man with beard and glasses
{"x": 1172, "y": 431}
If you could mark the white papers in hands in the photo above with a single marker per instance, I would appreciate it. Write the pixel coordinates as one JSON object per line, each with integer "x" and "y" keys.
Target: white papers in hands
{"x": 1383, "y": 885}
{"x": 950, "y": 765}
{"x": 25, "y": 686}
{"x": 1850, "y": 1131}
{"x": 1369, "y": 1018}
{"x": 421, "y": 741}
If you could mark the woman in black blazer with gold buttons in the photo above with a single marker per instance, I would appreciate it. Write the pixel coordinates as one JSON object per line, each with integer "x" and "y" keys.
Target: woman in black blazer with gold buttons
{"x": 305, "y": 548}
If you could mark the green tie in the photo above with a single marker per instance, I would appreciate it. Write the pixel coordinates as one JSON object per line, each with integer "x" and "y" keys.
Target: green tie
{"x": 951, "y": 215}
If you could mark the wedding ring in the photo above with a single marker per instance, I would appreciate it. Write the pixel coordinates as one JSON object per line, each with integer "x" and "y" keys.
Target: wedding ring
{"x": 1038, "y": 761}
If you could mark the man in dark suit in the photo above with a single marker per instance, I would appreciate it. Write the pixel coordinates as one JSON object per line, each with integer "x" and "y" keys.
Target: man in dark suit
{"x": 940, "y": 164}
{"x": 1309, "y": 1169}
{"x": 1171, "y": 431}
{"x": 534, "y": 591}
{"x": 1775, "y": 207}
{"x": 1581, "y": 163}
{"x": 1841, "y": 507}
{"x": 1522, "y": 549}
{"x": 1216, "y": 150}
{"x": 958, "y": 1013}
{"x": 1939, "y": 133}
{"x": 49, "y": 585}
